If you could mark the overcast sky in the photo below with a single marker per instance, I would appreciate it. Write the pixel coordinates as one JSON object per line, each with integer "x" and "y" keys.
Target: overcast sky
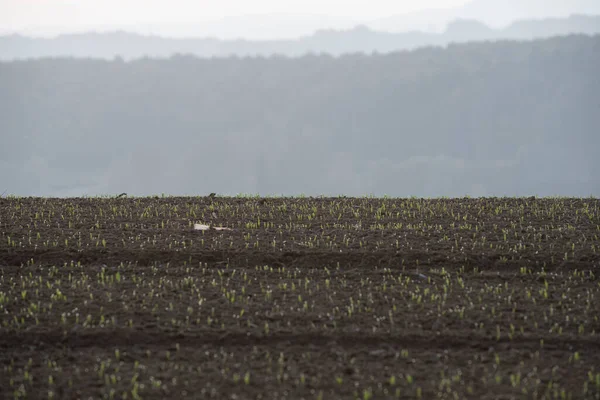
{"x": 251, "y": 18}
{"x": 54, "y": 16}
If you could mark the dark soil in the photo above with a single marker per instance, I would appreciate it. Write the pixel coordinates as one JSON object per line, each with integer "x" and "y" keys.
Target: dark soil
{"x": 303, "y": 298}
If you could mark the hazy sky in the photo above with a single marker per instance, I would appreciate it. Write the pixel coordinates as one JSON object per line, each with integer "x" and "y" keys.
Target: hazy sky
{"x": 67, "y": 15}
{"x": 65, "y": 12}
{"x": 265, "y": 19}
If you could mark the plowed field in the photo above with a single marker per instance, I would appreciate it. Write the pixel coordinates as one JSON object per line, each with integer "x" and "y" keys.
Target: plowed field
{"x": 303, "y": 298}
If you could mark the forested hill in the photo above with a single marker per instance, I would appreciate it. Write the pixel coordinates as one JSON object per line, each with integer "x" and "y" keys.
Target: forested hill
{"x": 361, "y": 39}
{"x": 503, "y": 118}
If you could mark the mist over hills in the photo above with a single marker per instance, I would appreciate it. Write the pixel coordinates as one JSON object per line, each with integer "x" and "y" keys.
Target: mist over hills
{"x": 361, "y": 39}
{"x": 495, "y": 118}
{"x": 494, "y": 13}
{"x": 184, "y": 18}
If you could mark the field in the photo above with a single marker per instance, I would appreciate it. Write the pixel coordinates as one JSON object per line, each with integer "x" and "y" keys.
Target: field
{"x": 304, "y": 298}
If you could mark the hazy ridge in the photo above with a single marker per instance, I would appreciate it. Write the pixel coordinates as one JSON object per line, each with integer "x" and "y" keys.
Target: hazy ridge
{"x": 504, "y": 118}
{"x": 358, "y": 40}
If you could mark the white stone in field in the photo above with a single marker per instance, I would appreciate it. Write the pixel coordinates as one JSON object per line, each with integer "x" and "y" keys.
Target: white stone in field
{"x": 202, "y": 227}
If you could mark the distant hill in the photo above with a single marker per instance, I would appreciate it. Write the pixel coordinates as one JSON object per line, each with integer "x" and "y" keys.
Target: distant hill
{"x": 358, "y": 40}
{"x": 495, "y": 13}
{"x": 490, "y": 118}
